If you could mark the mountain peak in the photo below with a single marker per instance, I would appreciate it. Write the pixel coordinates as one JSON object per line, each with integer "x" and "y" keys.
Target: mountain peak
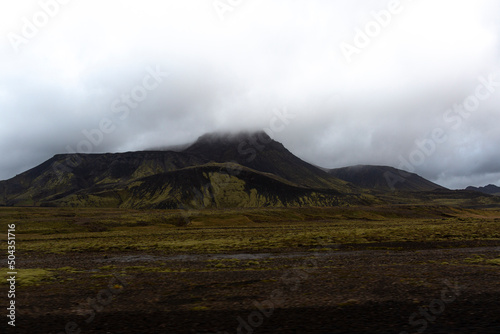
{"x": 228, "y": 137}
{"x": 220, "y": 146}
{"x": 258, "y": 151}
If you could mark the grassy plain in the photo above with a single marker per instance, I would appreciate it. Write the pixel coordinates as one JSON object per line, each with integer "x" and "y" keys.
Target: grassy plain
{"x": 339, "y": 270}
{"x": 63, "y": 230}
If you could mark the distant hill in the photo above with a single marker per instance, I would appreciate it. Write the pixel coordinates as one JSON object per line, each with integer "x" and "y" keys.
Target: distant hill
{"x": 490, "y": 189}
{"x": 383, "y": 178}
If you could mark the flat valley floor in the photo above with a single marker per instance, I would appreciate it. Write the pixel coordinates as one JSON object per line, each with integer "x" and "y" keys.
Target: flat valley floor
{"x": 407, "y": 269}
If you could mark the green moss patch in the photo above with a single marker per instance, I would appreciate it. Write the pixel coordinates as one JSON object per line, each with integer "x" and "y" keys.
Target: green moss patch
{"x": 27, "y": 277}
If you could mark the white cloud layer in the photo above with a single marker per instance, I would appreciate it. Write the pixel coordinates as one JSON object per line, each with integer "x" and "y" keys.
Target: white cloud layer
{"x": 69, "y": 67}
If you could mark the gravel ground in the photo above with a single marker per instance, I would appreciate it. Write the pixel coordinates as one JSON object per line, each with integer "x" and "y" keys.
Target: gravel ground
{"x": 349, "y": 290}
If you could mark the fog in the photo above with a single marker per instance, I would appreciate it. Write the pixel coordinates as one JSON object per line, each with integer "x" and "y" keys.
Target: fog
{"x": 409, "y": 84}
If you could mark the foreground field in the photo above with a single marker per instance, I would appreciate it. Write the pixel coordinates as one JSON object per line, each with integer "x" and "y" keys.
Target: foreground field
{"x": 312, "y": 270}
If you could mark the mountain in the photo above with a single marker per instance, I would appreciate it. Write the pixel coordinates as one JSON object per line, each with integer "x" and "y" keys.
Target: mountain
{"x": 490, "y": 189}
{"x": 383, "y": 178}
{"x": 218, "y": 170}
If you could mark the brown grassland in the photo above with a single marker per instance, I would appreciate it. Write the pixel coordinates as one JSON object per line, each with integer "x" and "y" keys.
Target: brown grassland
{"x": 262, "y": 270}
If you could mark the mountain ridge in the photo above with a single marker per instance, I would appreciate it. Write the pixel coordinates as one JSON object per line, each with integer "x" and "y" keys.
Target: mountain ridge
{"x": 490, "y": 189}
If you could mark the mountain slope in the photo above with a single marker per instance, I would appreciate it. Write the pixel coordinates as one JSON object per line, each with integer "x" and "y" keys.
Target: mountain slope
{"x": 383, "y": 178}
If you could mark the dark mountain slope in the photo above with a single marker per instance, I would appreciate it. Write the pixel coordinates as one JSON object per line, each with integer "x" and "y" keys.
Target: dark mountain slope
{"x": 383, "y": 178}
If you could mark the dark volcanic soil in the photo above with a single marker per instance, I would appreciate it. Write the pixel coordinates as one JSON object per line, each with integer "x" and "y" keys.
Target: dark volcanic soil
{"x": 359, "y": 291}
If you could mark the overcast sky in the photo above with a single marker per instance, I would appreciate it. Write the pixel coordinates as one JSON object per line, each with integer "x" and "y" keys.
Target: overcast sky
{"x": 414, "y": 85}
